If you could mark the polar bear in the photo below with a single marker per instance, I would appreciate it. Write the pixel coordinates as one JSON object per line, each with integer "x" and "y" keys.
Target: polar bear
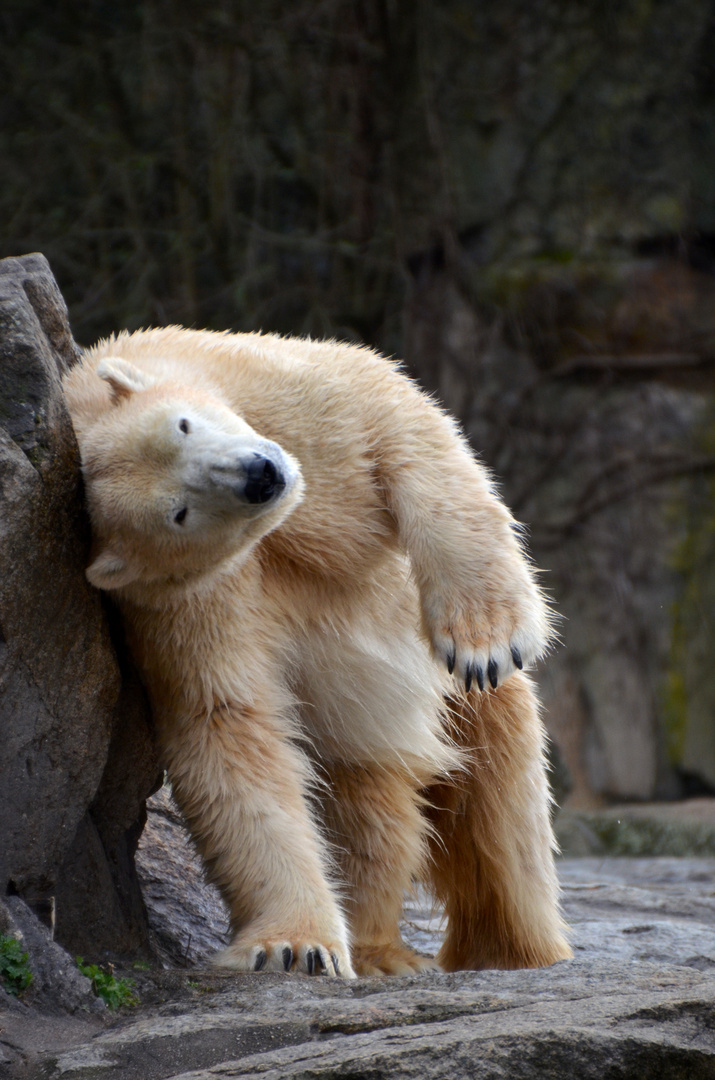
{"x": 332, "y": 611}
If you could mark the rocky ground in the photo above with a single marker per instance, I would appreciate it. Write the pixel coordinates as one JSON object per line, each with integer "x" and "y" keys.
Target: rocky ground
{"x": 637, "y": 1001}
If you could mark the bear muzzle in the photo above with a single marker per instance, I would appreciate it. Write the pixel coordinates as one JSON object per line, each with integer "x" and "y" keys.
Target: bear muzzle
{"x": 264, "y": 480}
{"x": 257, "y": 477}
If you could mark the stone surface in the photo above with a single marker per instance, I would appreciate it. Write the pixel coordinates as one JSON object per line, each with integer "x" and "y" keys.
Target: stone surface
{"x": 77, "y": 755}
{"x": 57, "y": 985}
{"x": 100, "y": 910}
{"x": 187, "y": 917}
{"x": 679, "y": 828}
{"x": 636, "y": 1003}
{"x": 59, "y": 680}
{"x": 600, "y": 466}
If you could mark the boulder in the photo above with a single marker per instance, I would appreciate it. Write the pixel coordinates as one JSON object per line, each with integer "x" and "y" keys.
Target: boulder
{"x": 77, "y": 758}
{"x": 59, "y": 679}
{"x": 57, "y": 985}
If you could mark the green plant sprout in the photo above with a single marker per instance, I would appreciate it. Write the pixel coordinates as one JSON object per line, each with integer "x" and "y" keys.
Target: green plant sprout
{"x": 115, "y": 992}
{"x": 15, "y": 974}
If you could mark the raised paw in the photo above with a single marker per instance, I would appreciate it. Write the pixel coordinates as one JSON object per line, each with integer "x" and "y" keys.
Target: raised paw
{"x": 284, "y": 955}
{"x": 485, "y": 645}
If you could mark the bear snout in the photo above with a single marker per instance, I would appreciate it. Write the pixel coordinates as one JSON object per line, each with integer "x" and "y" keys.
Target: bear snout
{"x": 255, "y": 479}
{"x": 264, "y": 480}
{"x": 258, "y": 476}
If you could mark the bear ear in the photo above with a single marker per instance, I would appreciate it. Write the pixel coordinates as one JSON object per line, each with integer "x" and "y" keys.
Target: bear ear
{"x": 110, "y": 571}
{"x": 123, "y": 377}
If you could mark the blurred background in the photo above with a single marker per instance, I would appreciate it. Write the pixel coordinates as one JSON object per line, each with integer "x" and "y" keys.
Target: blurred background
{"x": 518, "y": 198}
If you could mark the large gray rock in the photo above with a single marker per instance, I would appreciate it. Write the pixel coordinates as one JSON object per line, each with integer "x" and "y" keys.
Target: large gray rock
{"x": 59, "y": 680}
{"x": 187, "y": 917}
{"x": 68, "y": 822}
{"x": 591, "y": 1021}
{"x": 57, "y": 985}
{"x": 636, "y": 1003}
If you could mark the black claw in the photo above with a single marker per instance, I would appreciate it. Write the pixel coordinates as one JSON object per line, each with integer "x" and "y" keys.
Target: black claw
{"x": 287, "y": 958}
{"x": 310, "y": 961}
{"x": 493, "y": 672}
{"x": 480, "y": 677}
{"x": 451, "y": 661}
{"x": 468, "y": 678}
{"x": 516, "y": 657}
{"x": 321, "y": 962}
{"x": 260, "y": 961}
{"x": 336, "y": 964}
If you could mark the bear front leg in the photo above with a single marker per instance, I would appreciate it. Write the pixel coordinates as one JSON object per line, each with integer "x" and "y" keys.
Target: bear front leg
{"x": 241, "y": 786}
{"x": 482, "y": 609}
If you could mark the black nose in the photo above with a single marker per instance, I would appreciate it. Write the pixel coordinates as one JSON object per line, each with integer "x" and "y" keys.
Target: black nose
{"x": 263, "y": 480}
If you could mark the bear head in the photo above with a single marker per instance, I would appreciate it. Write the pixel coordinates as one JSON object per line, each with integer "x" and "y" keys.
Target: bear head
{"x": 177, "y": 483}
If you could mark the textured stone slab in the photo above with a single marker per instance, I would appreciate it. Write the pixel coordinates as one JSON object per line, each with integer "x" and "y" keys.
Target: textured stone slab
{"x": 680, "y": 828}
{"x": 637, "y": 1002}
{"x": 577, "y": 1019}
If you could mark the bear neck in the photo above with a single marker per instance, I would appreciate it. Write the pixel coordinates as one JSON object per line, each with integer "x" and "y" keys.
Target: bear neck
{"x": 193, "y": 643}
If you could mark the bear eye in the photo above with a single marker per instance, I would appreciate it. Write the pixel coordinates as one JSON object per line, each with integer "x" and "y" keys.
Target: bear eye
{"x": 180, "y": 517}
{"x": 184, "y": 426}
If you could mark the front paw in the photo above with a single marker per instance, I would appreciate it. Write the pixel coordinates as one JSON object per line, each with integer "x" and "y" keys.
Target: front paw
{"x": 249, "y": 952}
{"x": 486, "y": 642}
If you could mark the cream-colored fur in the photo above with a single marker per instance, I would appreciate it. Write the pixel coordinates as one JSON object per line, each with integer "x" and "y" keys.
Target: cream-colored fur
{"x": 304, "y": 549}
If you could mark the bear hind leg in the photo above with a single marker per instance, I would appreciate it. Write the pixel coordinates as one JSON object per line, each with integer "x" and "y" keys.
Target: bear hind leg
{"x": 373, "y": 820}
{"x": 492, "y": 863}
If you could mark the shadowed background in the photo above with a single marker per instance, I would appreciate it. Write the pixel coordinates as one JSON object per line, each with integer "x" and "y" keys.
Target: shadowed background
{"x": 517, "y": 198}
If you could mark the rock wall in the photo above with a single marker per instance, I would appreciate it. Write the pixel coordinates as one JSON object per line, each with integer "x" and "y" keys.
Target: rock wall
{"x": 601, "y": 464}
{"x": 563, "y": 309}
{"x": 519, "y": 199}
{"x": 77, "y": 757}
